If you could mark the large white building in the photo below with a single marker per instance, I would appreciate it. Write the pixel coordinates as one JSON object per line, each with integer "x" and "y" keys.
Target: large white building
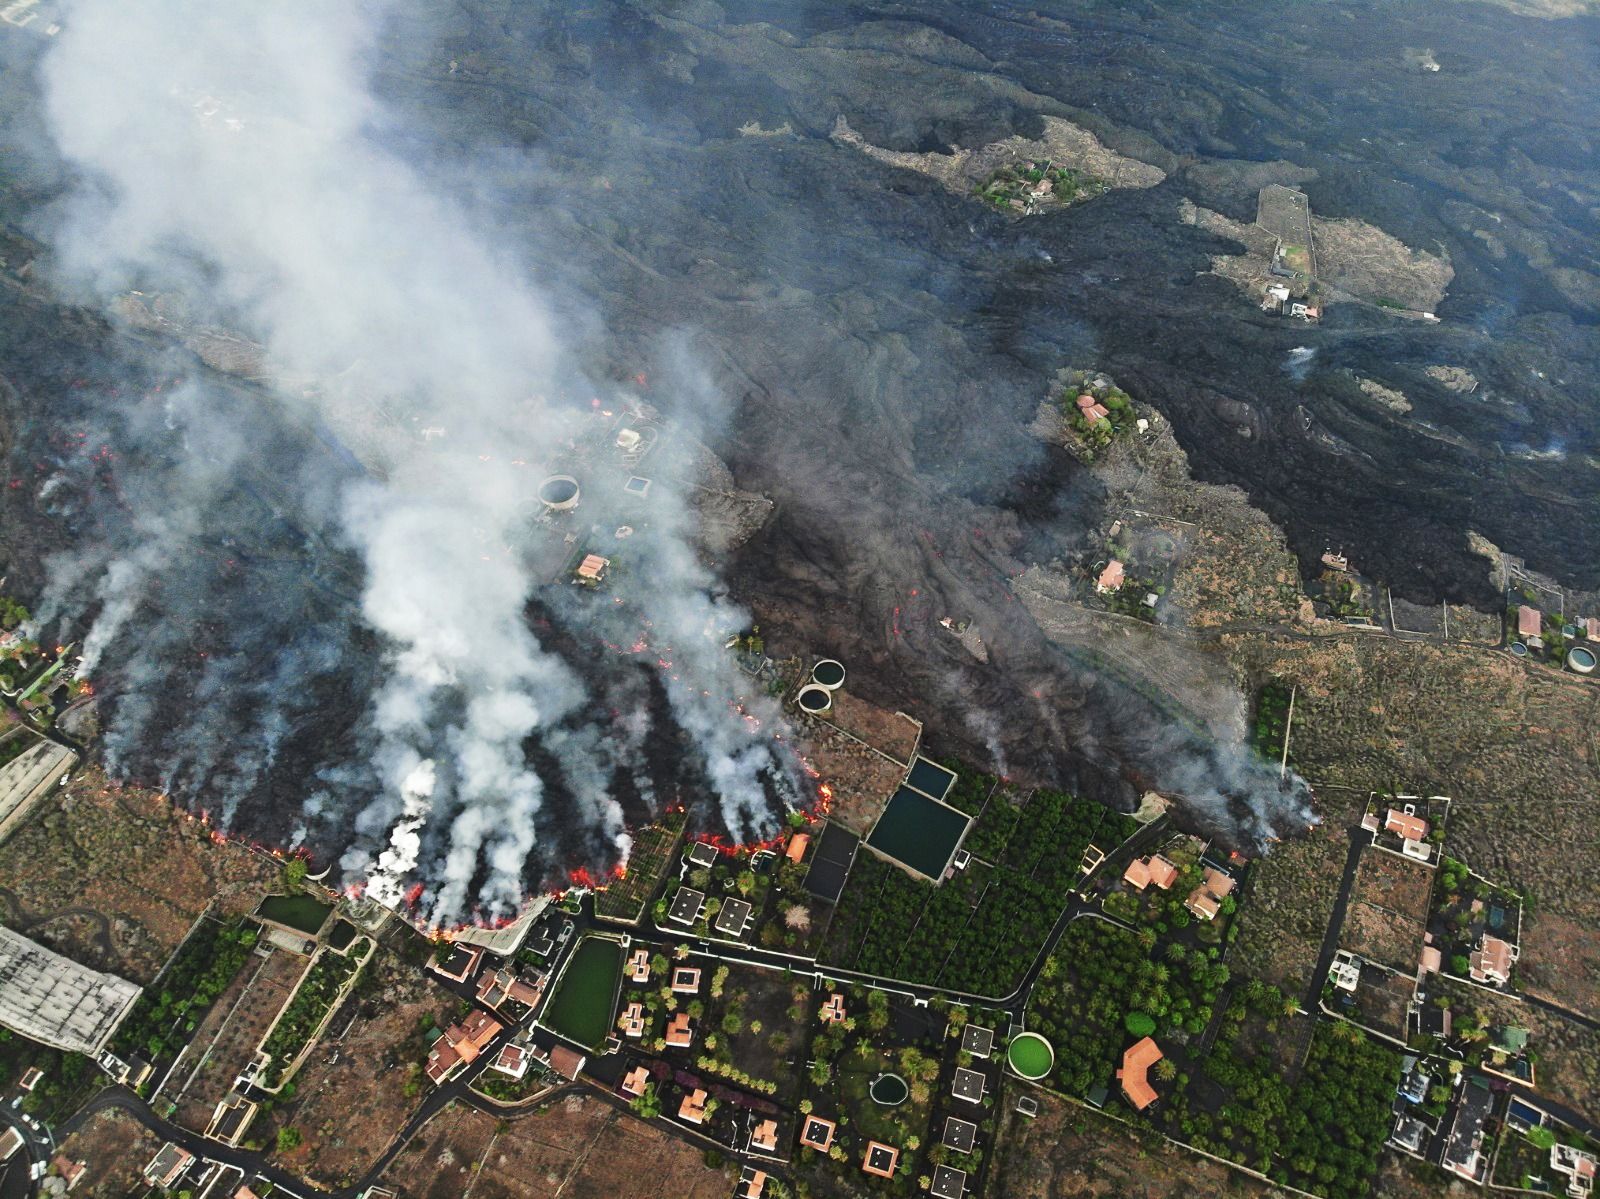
{"x": 53, "y": 1000}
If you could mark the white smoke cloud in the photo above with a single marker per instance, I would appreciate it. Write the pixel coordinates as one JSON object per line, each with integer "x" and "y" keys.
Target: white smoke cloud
{"x": 235, "y": 154}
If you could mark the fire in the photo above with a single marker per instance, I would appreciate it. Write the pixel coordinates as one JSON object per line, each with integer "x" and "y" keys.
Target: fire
{"x": 414, "y": 895}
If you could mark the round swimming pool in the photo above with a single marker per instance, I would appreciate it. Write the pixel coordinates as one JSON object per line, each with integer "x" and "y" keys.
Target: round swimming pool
{"x": 1031, "y": 1056}
{"x": 1581, "y": 659}
{"x": 889, "y": 1090}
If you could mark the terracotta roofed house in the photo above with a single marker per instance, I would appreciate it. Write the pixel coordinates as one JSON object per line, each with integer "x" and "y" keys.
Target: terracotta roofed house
{"x": 693, "y": 1107}
{"x": 634, "y": 1081}
{"x": 797, "y": 847}
{"x": 1591, "y": 628}
{"x": 1491, "y": 961}
{"x": 765, "y": 1135}
{"x": 752, "y": 1183}
{"x": 817, "y": 1133}
{"x": 1408, "y": 825}
{"x": 639, "y": 965}
{"x": 880, "y": 1159}
{"x": 679, "y": 1033}
{"x": 1162, "y": 872}
{"x": 1135, "y": 1072}
{"x": 69, "y": 1170}
{"x": 593, "y": 567}
{"x": 1137, "y": 875}
{"x": 1110, "y": 578}
{"x": 1530, "y": 621}
{"x": 565, "y": 1062}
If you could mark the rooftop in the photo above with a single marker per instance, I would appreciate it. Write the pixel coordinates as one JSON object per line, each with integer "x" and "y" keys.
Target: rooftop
{"x": 960, "y": 1135}
{"x": 977, "y": 1041}
{"x": 881, "y": 1159}
{"x": 679, "y": 1033}
{"x": 1111, "y": 577}
{"x": 51, "y": 999}
{"x": 693, "y": 1107}
{"x": 733, "y": 917}
{"x": 797, "y": 847}
{"x": 765, "y": 1135}
{"x": 1134, "y": 1075}
{"x": 817, "y": 1133}
{"x": 634, "y": 1081}
{"x": 685, "y": 980}
{"x": 752, "y": 1182}
{"x": 1530, "y": 621}
{"x": 686, "y": 904}
{"x": 968, "y": 1085}
{"x": 1409, "y": 826}
{"x": 949, "y": 1183}
{"x": 702, "y": 854}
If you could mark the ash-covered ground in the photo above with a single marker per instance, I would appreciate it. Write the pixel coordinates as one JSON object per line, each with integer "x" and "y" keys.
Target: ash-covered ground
{"x": 884, "y": 343}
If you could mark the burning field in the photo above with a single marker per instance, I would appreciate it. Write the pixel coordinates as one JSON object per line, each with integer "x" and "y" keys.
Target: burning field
{"x": 356, "y": 422}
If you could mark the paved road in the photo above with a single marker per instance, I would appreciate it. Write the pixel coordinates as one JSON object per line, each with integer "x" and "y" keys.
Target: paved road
{"x": 15, "y": 1180}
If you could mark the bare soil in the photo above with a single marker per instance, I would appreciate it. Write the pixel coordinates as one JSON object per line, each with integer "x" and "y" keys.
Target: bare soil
{"x": 1388, "y": 911}
{"x": 114, "y": 878}
{"x": 1071, "y": 1152}
{"x": 116, "y": 1148}
{"x": 578, "y": 1146}
{"x": 1560, "y": 961}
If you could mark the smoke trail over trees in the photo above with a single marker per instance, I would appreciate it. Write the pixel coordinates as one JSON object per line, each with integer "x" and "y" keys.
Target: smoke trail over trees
{"x": 233, "y": 159}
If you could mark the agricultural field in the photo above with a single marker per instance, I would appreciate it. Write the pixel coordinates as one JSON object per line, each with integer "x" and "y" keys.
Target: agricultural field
{"x": 115, "y": 877}
{"x": 318, "y": 991}
{"x": 364, "y": 1079}
{"x": 226, "y": 1041}
{"x": 654, "y": 853}
{"x": 1072, "y": 1152}
{"x": 1388, "y": 912}
{"x": 978, "y": 932}
{"x": 577, "y": 1145}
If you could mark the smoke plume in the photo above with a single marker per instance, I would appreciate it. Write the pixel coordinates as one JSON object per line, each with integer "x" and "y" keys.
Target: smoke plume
{"x": 233, "y": 160}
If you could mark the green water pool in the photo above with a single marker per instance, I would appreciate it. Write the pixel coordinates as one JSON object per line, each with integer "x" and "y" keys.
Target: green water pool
{"x": 1030, "y": 1055}
{"x": 581, "y": 1007}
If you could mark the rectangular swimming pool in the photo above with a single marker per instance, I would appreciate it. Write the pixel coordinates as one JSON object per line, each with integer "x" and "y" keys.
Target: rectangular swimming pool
{"x": 919, "y": 832}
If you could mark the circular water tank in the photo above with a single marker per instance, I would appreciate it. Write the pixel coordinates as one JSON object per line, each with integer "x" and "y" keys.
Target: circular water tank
{"x": 1581, "y": 659}
{"x": 1519, "y": 650}
{"x": 813, "y": 698}
{"x": 828, "y": 673}
{"x": 559, "y": 493}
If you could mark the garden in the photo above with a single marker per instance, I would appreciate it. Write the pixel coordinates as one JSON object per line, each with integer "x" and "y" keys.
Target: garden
{"x": 167, "y": 1014}
{"x": 1008, "y": 187}
{"x": 1464, "y": 907}
{"x": 979, "y": 931}
{"x": 754, "y": 1026}
{"x": 306, "y": 1013}
{"x": 1106, "y": 987}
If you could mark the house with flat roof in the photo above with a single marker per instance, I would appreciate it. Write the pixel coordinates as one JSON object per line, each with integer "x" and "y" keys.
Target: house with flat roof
{"x": 230, "y": 1119}
{"x": 693, "y": 1107}
{"x": 968, "y": 1085}
{"x": 832, "y": 1012}
{"x": 817, "y": 1133}
{"x": 702, "y": 854}
{"x": 960, "y": 1135}
{"x": 639, "y": 965}
{"x": 633, "y": 1020}
{"x": 752, "y": 1183}
{"x": 733, "y": 918}
{"x": 1135, "y": 1072}
{"x": 1491, "y": 961}
{"x": 30, "y": 1079}
{"x": 979, "y": 1042}
{"x": 460, "y": 963}
{"x": 635, "y": 1081}
{"x": 1577, "y": 1165}
{"x": 1463, "y": 1150}
{"x": 53, "y": 1000}
{"x": 948, "y": 1183}
{"x": 880, "y": 1159}
{"x": 167, "y": 1166}
{"x": 685, "y": 980}
{"x": 10, "y": 1142}
{"x": 687, "y": 905}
